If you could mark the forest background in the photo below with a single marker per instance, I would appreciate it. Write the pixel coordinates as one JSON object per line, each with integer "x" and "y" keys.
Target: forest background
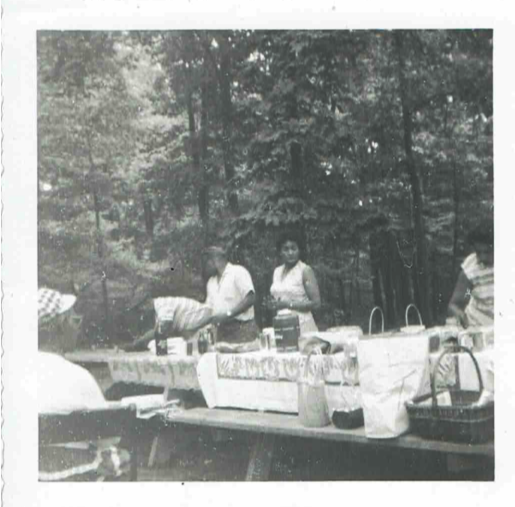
{"x": 375, "y": 145}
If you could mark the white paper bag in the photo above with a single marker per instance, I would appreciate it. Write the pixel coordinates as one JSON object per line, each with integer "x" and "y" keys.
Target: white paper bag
{"x": 392, "y": 371}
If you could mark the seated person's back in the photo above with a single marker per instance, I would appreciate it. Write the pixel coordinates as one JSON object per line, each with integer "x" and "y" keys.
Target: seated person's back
{"x": 64, "y": 386}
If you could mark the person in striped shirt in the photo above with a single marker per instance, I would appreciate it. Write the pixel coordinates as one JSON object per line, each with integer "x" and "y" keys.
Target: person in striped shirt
{"x": 472, "y": 302}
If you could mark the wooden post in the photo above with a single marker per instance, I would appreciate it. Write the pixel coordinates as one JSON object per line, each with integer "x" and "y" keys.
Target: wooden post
{"x": 261, "y": 458}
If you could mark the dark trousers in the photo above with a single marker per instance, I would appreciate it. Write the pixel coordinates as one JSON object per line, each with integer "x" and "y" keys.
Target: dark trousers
{"x": 235, "y": 331}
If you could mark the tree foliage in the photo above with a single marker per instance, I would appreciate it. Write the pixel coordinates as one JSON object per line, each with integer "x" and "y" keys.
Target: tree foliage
{"x": 375, "y": 145}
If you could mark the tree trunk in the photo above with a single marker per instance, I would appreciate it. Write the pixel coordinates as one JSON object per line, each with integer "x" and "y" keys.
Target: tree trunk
{"x": 403, "y": 268}
{"x": 456, "y": 195}
{"x": 100, "y": 251}
{"x": 193, "y": 145}
{"x": 374, "y": 265}
{"x": 386, "y": 272}
{"x": 203, "y": 193}
{"x": 347, "y": 310}
{"x": 438, "y": 309}
{"x": 226, "y": 103}
{"x": 415, "y": 181}
{"x": 296, "y": 163}
{"x": 149, "y": 216}
{"x": 355, "y": 297}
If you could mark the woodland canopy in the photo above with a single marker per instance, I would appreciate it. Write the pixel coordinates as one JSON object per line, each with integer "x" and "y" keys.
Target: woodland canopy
{"x": 376, "y": 145}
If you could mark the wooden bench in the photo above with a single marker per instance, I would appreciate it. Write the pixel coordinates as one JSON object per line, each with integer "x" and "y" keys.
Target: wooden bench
{"x": 93, "y": 425}
{"x": 268, "y": 426}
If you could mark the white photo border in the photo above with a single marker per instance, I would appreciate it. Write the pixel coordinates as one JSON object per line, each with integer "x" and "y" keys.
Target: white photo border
{"x": 21, "y": 20}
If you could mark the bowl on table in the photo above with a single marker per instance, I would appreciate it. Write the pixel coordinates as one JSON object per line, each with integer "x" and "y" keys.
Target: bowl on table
{"x": 347, "y": 420}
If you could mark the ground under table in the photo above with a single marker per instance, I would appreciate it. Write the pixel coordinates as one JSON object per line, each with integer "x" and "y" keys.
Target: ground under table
{"x": 267, "y": 426}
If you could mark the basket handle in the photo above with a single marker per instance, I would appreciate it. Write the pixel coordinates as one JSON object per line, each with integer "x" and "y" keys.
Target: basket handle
{"x": 412, "y": 305}
{"x": 372, "y": 316}
{"x": 453, "y": 349}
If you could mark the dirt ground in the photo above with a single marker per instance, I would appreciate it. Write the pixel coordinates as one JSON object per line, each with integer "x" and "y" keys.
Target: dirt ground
{"x": 198, "y": 456}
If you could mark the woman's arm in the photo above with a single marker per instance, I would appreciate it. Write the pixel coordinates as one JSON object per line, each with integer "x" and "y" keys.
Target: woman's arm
{"x": 310, "y": 282}
{"x": 460, "y": 299}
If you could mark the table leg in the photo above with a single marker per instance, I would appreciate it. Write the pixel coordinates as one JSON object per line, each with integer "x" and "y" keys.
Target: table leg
{"x": 261, "y": 456}
{"x": 162, "y": 447}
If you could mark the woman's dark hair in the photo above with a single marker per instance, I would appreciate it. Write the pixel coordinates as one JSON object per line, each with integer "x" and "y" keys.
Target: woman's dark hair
{"x": 293, "y": 236}
{"x": 482, "y": 234}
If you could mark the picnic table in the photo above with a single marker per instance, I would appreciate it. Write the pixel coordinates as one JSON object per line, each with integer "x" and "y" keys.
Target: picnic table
{"x": 268, "y": 426}
{"x": 272, "y": 380}
{"x": 261, "y": 380}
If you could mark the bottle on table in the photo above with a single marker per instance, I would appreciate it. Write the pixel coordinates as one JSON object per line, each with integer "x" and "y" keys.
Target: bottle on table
{"x": 161, "y": 342}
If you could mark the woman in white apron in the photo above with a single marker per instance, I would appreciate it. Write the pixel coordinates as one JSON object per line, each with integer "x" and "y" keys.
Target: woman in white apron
{"x": 294, "y": 285}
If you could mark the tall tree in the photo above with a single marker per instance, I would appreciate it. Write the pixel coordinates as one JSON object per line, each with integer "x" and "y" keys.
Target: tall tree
{"x": 85, "y": 129}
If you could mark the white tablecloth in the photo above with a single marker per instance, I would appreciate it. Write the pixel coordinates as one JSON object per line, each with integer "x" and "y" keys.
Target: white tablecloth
{"x": 179, "y": 372}
{"x": 268, "y": 381}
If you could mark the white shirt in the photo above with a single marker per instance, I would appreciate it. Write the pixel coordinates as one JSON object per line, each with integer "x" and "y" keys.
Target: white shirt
{"x": 65, "y": 387}
{"x": 225, "y": 293}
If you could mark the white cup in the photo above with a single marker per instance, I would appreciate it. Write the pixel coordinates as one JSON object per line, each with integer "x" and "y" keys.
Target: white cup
{"x": 269, "y": 336}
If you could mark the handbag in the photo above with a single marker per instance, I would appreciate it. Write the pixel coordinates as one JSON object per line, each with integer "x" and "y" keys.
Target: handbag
{"x": 312, "y": 401}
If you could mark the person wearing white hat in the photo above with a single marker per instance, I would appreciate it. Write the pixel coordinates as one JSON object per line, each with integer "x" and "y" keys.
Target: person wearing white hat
{"x": 62, "y": 385}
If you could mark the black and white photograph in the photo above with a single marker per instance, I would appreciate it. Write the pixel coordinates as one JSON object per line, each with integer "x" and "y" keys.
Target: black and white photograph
{"x": 261, "y": 254}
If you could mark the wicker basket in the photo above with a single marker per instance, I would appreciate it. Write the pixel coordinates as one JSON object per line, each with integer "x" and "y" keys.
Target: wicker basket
{"x": 460, "y": 422}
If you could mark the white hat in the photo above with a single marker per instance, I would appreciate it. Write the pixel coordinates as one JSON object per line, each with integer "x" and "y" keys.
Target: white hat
{"x": 52, "y": 303}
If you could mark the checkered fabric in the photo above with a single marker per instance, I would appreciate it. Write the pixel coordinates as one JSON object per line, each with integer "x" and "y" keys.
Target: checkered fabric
{"x": 52, "y": 303}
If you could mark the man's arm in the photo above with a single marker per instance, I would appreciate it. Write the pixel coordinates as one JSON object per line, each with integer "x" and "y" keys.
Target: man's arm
{"x": 244, "y": 304}
{"x": 241, "y": 307}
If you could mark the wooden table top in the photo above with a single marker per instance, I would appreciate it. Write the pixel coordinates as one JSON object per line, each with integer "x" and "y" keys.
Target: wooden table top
{"x": 98, "y": 355}
{"x": 289, "y": 425}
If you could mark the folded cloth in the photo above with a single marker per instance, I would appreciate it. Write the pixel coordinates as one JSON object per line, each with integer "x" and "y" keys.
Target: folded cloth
{"x": 331, "y": 341}
{"x": 236, "y": 348}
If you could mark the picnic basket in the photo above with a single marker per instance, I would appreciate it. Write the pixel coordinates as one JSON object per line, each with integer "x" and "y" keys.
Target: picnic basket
{"x": 464, "y": 420}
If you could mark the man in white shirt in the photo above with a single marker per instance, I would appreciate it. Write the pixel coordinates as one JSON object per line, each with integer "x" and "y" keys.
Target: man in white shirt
{"x": 231, "y": 295}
